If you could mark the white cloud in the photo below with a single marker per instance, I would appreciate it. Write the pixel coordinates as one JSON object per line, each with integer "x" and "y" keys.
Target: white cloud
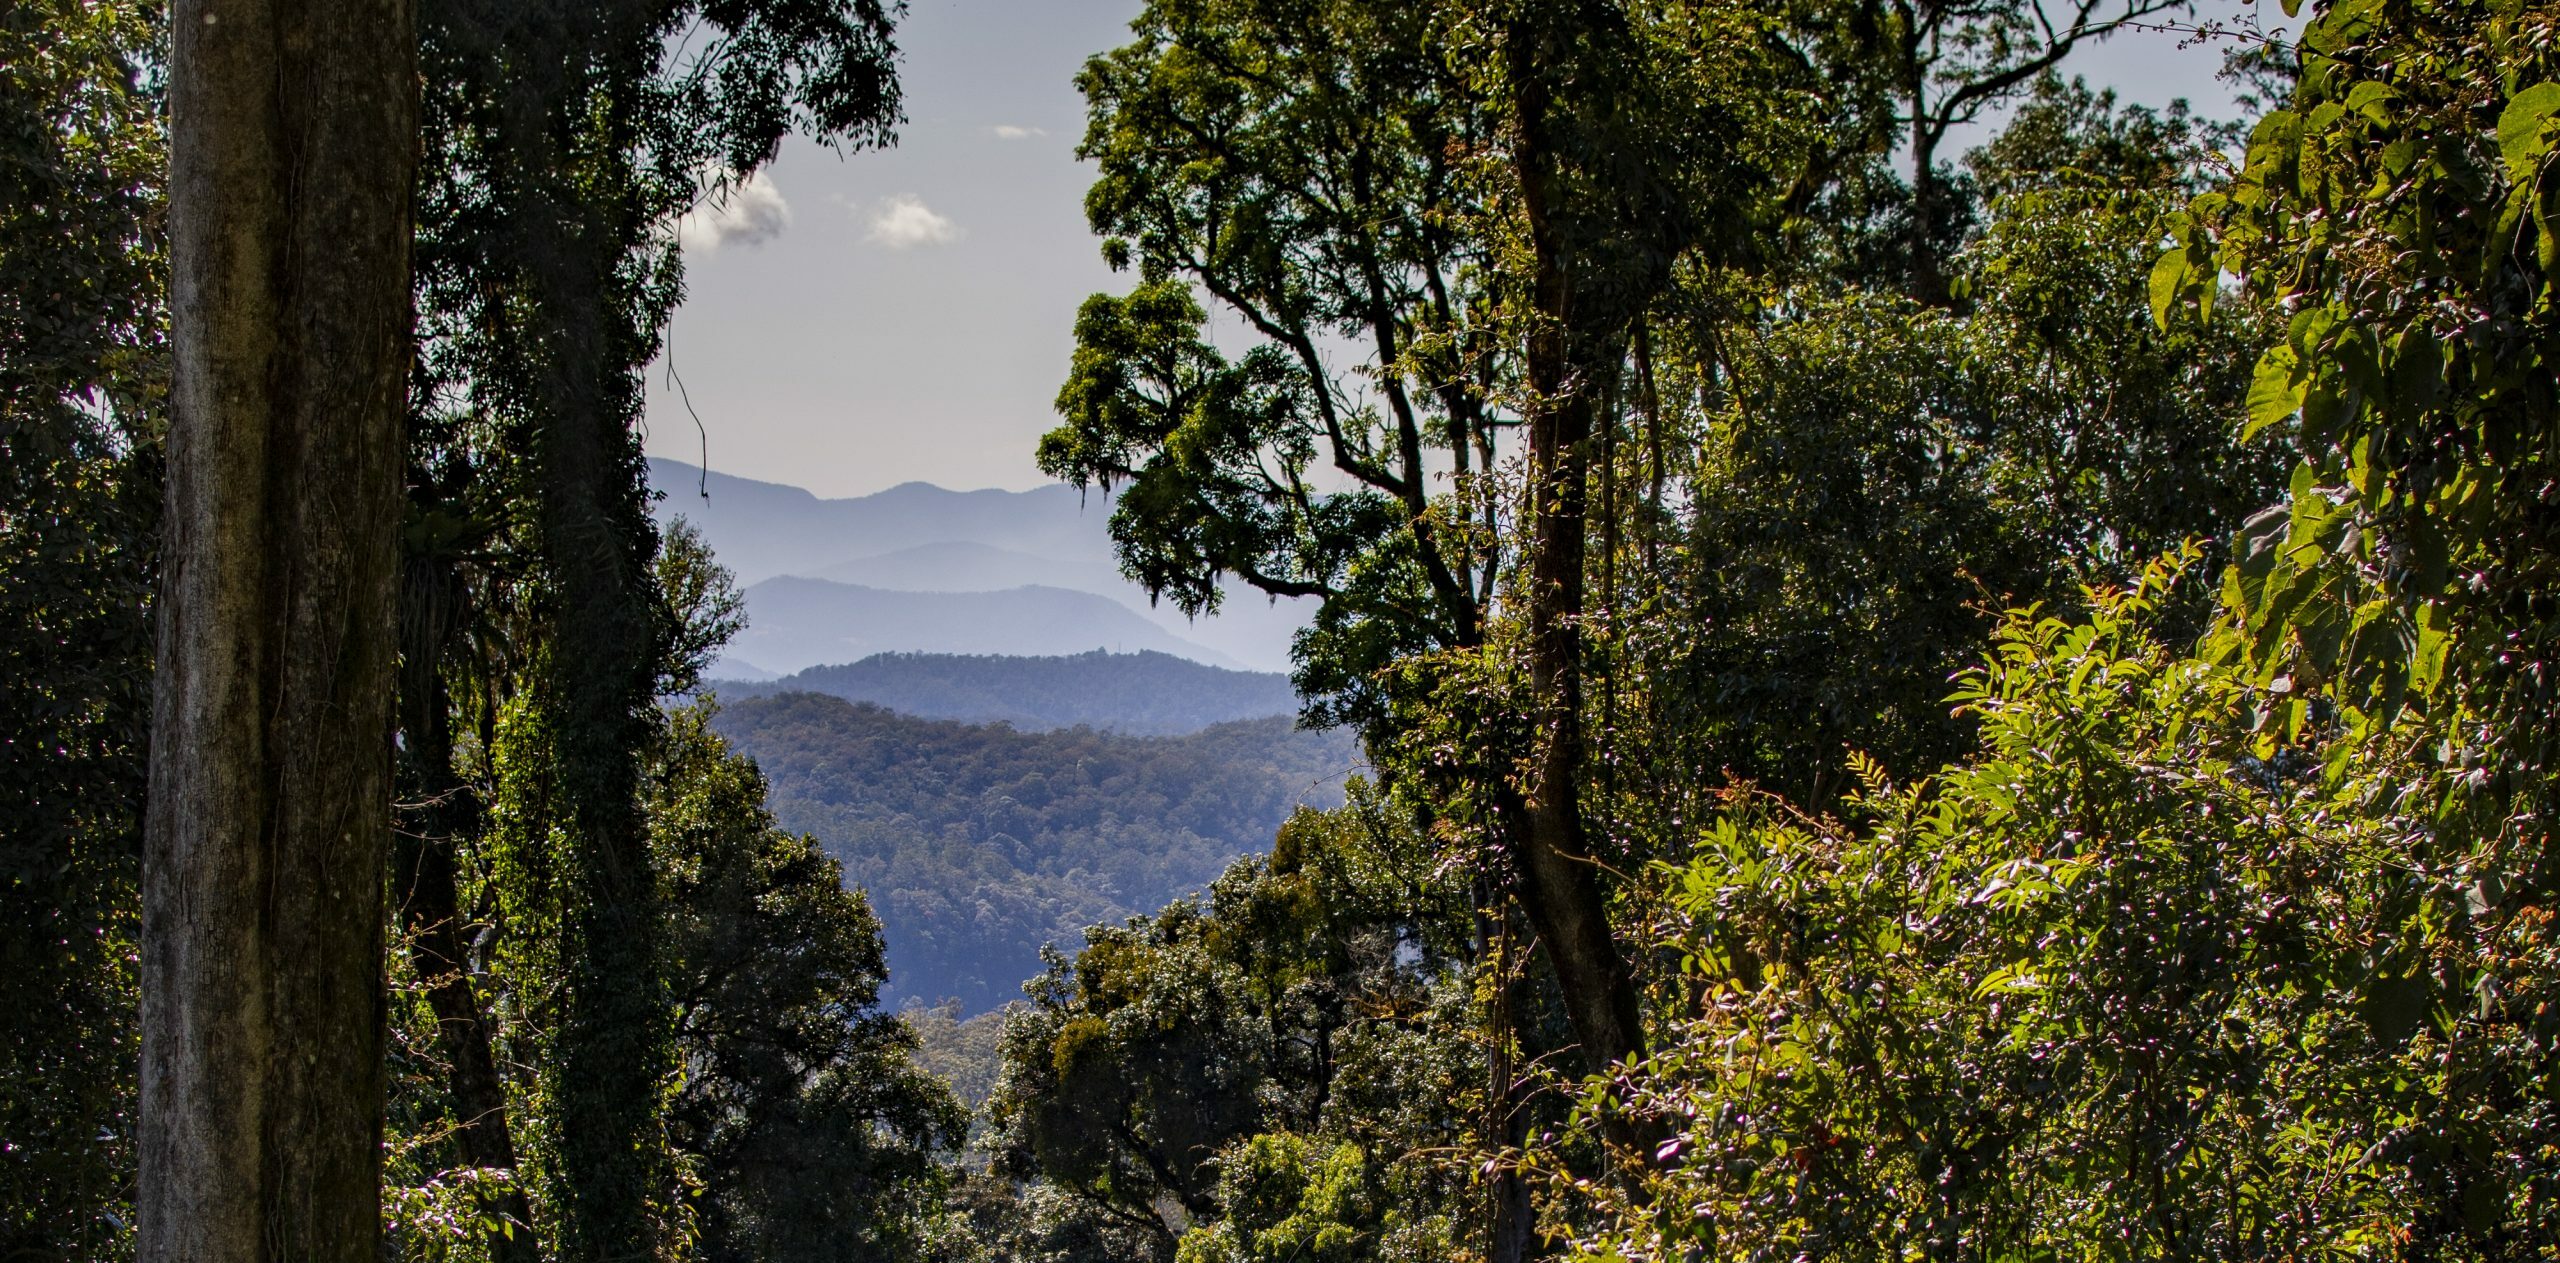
{"x": 1007, "y": 131}
{"x": 748, "y": 214}
{"x": 904, "y": 221}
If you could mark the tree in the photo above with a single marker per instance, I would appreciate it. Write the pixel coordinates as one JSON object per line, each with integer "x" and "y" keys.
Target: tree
{"x": 292, "y": 143}
{"x": 1876, "y": 478}
{"x": 1167, "y": 1088}
{"x": 1628, "y": 131}
{"x": 2095, "y": 988}
{"x": 562, "y": 142}
{"x": 815, "y": 1130}
{"x": 1307, "y": 167}
{"x": 1325, "y": 175}
{"x": 2401, "y": 602}
{"x": 1901, "y": 76}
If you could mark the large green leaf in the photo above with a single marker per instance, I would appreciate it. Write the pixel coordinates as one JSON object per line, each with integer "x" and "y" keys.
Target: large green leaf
{"x": 2275, "y": 390}
{"x": 2523, "y": 137}
{"x": 2168, "y": 278}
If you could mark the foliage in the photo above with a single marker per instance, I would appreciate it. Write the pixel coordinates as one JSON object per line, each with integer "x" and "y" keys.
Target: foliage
{"x": 436, "y": 1206}
{"x": 813, "y": 1129}
{"x": 960, "y": 1050}
{"x": 1291, "y": 1198}
{"x": 2403, "y": 597}
{"x": 2213, "y": 924}
{"x": 2117, "y": 986}
{"x": 1304, "y": 165}
{"x": 1880, "y": 477}
{"x": 1855, "y": 440}
{"x": 2396, "y": 209}
{"x": 561, "y": 144}
{"x": 1892, "y": 84}
{"x": 1271, "y": 1069}
{"x": 82, "y": 377}
{"x": 981, "y": 844}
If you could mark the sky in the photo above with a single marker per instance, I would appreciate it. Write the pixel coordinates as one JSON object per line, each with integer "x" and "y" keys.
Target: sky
{"x": 857, "y": 321}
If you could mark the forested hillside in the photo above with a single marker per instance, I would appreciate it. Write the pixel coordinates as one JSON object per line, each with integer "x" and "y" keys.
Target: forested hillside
{"x": 1144, "y": 694}
{"x": 980, "y": 845}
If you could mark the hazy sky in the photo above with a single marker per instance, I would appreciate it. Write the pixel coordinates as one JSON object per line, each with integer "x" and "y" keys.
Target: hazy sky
{"x": 857, "y": 322}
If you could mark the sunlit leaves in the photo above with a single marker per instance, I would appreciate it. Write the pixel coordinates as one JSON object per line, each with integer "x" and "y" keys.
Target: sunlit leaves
{"x": 2524, "y": 129}
{"x": 2052, "y": 998}
{"x": 2414, "y": 239}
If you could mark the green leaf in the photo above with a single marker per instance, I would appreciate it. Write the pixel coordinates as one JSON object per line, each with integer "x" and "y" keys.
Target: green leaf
{"x": 2546, "y": 251}
{"x": 2358, "y": 360}
{"x": 2417, "y": 368}
{"x": 2521, "y": 138}
{"x": 2168, "y": 277}
{"x": 2275, "y": 146}
{"x": 2275, "y": 390}
{"x": 2370, "y": 97}
{"x": 2502, "y": 237}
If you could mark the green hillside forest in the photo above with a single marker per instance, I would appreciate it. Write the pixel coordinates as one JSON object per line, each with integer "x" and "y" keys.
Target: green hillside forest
{"x": 979, "y": 846}
{"x": 1945, "y": 666}
{"x": 1145, "y": 693}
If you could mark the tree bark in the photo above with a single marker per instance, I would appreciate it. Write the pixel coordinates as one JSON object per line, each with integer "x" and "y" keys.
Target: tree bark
{"x": 1928, "y": 272}
{"x": 293, "y": 144}
{"x": 1559, "y": 884}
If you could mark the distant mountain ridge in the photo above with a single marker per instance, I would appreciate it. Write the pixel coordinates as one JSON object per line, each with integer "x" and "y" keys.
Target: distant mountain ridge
{"x": 1146, "y": 693}
{"x": 969, "y": 566}
{"x": 794, "y": 624}
{"x": 916, "y": 537}
{"x": 764, "y": 529}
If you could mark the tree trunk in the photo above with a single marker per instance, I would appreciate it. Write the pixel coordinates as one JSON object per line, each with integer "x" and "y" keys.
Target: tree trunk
{"x": 570, "y": 198}
{"x": 1928, "y": 272}
{"x": 424, "y": 884}
{"x": 293, "y": 145}
{"x": 1560, "y": 888}
{"x": 1511, "y": 1220}
{"x": 614, "y": 1045}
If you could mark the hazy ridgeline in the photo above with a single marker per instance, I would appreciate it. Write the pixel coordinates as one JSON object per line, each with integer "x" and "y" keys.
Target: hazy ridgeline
{"x": 1140, "y": 694}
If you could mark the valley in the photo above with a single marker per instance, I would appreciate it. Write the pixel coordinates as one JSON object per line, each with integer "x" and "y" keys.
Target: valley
{"x": 980, "y": 845}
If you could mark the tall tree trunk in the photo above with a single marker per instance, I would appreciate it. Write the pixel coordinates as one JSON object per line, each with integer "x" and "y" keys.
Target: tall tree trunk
{"x": 1559, "y": 884}
{"x": 1926, "y": 272}
{"x": 571, "y": 201}
{"x": 1654, "y": 468}
{"x": 614, "y": 1045}
{"x": 426, "y": 888}
{"x": 293, "y": 145}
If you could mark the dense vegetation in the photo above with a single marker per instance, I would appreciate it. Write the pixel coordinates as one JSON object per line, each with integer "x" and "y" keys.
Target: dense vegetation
{"x": 2204, "y": 914}
{"x": 1145, "y": 693}
{"x": 1914, "y": 705}
{"x": 982, "y": 845}
{"x": 83, "y": 380}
